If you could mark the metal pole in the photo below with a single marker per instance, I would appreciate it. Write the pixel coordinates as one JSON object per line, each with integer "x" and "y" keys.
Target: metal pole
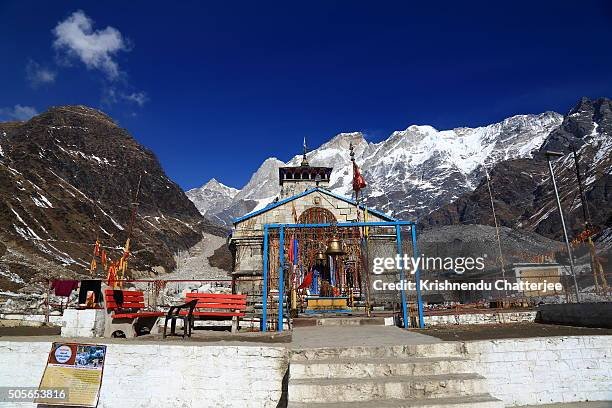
{"x": 263, "y": 324}
{"x": 499, "y": 247}
{"x": 47, "y": 311}
{"x": 417, "y": 274}
{"x": 366, "y": 261}
{"x": 567, "y": 244}
{"x": 281, "y": 277}
{"x": 398, "y": 236}
{"x": 585, "y": 208}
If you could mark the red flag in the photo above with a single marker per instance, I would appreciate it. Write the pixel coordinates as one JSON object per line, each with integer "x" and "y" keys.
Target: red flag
{"x": 307, "y": 281}
{"x": 358, "y": 180}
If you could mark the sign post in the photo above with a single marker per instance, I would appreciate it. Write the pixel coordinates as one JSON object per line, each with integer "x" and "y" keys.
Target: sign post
{"x": 77, "y": 369}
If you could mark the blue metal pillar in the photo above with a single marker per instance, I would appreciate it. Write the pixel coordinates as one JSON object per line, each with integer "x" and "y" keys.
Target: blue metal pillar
{"x": 398, "y": 236}
{"x": 415, "y": 254}
{"x": 281, "y": 277}
{"x": 263, "y": 324}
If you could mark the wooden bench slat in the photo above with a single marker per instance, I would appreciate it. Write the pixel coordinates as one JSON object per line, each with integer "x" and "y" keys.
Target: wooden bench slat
{"x": 136, "y": 315}
{"x": 130, "y": 298}
{"x": 131, "y": 307}
{"x": 217, "y": 314}
{"x": 223, "y": 301}
{"x": 223, "y": 306}
{"x": 125, "y": 305}
{"x": 125, "y": 315}
{"x": 126, "y": 299}
{"x": 218, "y": 301}
{"x": 215, "y": 295}
{"x": 125, "y": 292}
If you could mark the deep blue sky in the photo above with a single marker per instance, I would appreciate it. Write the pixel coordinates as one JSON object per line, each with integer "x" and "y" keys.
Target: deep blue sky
{"x": 229, "y": 84}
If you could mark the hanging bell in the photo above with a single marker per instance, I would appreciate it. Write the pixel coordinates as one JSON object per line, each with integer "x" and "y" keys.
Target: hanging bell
{"x": 334, "y": 247}
{"x": 321, "y": 256}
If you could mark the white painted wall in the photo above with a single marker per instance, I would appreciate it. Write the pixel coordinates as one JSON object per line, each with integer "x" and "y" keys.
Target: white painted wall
{"x": 165, "y": 375}
{"x": 83, "y": 323}
{"x": 519, "y": 371}
{"x": 545, "y": 370}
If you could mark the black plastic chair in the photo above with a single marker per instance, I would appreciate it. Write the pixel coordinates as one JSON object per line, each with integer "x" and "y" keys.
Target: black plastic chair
{"x": 175, "y": 313}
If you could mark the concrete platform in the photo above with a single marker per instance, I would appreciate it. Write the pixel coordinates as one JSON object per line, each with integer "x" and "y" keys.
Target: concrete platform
{"x": 381, "y": 366}
{"x": 588, "y": 404}
{"x": 473, "y": 401}
{"x": 310, "y": 321}
{"x": 376, "y": 367}
{"x": 356, "y": 336}
{"x": 384, "y": 388}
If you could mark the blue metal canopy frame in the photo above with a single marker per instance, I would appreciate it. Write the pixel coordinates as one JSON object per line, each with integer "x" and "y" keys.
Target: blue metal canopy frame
{"x": 281, "y": 276}
{"x": 305, "y": 193}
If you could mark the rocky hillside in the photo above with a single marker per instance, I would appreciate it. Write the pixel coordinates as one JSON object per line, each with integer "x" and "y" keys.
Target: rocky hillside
{"x": 68, "y": 176}
{"x": 481, "y": 240}
{"x": 522, "y": 189}
{"x": 409, "y": 174}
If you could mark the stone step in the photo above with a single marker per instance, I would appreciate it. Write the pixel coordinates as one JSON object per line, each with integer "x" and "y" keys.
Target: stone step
{"x": 472, "y": 401}
{"x": 384, "y": 388}
{"x": 342, "y": 321}
{"x": 377, "y": 367}
{"x": 441, "y": 349}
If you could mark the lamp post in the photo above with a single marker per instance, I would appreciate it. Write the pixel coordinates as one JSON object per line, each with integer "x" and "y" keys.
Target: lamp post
{"x": 548, "y": 155}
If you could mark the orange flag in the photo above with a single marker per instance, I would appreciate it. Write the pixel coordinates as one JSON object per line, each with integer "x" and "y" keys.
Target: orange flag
{"x": 111, "y": 278}
{"x": 103, "y": 259}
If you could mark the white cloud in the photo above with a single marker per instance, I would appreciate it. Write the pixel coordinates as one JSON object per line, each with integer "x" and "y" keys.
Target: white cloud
{"x": 18, "y": 112}
{"x": 139, "y": 98}
{"x": 95, "y": 48}
{"x": 38, "y": 75}
{"x": 112, "y": 95}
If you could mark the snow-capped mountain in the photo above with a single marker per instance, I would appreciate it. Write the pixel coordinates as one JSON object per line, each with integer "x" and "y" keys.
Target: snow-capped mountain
{"x": 410, "y": 173}
{"x": 212, "y": 197}
{"x": 263, "y": 184}
{"x": 221, "y": 203}
{"x": 522, "y": 189}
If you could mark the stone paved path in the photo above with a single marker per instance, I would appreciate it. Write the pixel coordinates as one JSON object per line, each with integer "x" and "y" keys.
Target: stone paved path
{"x": 348, "y": 336}
{"x": 591, "y": 404}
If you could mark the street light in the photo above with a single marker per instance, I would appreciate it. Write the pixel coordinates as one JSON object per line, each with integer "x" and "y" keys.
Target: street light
{"x": 548, "y": 155}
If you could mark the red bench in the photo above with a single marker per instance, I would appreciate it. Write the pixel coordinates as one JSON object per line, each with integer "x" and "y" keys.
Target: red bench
{"x": 125, "y": 316}
{"x": 218, "y": 306}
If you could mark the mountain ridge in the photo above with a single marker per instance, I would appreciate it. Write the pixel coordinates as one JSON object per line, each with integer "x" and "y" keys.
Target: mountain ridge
{"x": 67, "y": 177}
{"x": 451, "y": 159}
{"x": 522, "y": 190}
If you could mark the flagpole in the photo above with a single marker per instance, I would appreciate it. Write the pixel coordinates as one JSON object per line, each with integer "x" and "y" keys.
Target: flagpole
{"x": 364, "y": 239}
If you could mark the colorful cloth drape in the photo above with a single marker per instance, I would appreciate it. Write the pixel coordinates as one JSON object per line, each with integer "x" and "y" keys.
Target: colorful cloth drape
{"x": 332, "y": 271}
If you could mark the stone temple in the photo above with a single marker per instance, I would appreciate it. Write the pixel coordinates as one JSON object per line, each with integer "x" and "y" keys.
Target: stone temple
{"x": 334, "y": 258}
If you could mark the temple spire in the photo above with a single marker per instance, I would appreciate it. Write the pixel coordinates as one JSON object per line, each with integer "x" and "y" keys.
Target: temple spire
{"x": 304, "y": 160}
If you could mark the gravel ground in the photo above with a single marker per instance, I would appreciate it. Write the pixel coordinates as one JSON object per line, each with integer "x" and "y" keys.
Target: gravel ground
{"x": 508, "y": 331}
{"x": 30, "y": 331}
